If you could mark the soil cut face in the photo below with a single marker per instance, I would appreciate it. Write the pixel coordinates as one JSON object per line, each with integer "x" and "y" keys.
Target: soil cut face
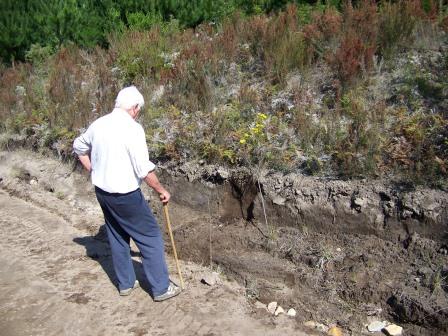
{"x": 340, "y": 252}
{"x": 344, "y": 279}
{"x": 56, "y": 267}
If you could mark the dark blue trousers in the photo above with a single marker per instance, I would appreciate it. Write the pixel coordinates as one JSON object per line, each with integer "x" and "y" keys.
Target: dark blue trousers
{"x": 129, "y": 216}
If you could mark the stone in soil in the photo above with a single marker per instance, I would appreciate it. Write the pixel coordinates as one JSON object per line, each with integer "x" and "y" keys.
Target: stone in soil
{"x": 360, "y": 202}
{"x": 394, "y": 330}
{"x": 272, "y": 307}
{"x": 210, "y": 279}
{"x": 279, "y": 200}
{"x": 291, "y": 312}
{"x": 279, "y": 310}
{"x": 376, "y": 326}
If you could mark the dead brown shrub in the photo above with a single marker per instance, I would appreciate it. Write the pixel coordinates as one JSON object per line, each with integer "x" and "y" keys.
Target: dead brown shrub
{"x": 9, "y": 79}
{"x": 359, "y": 41}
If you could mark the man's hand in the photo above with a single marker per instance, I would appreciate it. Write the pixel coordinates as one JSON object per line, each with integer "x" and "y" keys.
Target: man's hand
{"x": 165, "y": 197}
{"x": 152, "y": 181}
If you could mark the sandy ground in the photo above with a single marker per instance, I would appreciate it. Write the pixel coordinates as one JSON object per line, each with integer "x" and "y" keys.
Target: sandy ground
{"x": 56, "y": 276}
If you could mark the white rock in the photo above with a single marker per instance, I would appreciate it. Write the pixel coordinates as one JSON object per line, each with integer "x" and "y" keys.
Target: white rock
{"x": 279, "y": 311}
{"x": 338, "y": 249}
{"x": 376, "y": 326}
{"x": 279, "y": 200}
{"x": 291, "y": 312}
{"x": 394, "y": 330}
{"x": 359, "y": 201}
{"x": 272, "y": 307}
{"x": 33, "y": 182}
{"x": 210, "y": 279}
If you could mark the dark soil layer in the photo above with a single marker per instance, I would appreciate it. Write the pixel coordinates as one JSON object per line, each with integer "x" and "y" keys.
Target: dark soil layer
{"x": 330, "y": 276}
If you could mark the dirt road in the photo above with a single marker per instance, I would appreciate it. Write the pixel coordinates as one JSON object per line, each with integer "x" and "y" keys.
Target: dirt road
{"x": 56, "y": 276}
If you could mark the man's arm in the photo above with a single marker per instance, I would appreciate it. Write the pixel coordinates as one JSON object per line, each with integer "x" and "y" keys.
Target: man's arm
{"x": 82, "y": 147}
{"x": 85, "y": 160}
{"x": 152, "y": 181}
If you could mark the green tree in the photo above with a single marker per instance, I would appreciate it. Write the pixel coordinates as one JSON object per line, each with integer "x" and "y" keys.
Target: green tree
{"x": 51, "y": 23}
{"x": 77, "y": 21}
{"x": 15, "y": 29}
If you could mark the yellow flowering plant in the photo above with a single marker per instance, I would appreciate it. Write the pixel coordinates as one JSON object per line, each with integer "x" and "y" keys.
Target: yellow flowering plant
{"x": 254, "y": 137}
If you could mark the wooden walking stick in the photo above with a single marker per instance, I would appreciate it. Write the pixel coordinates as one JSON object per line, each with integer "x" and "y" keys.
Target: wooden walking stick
{"x": 168, "y": 226}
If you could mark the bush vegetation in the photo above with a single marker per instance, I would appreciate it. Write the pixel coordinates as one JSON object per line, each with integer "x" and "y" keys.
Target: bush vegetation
{"x": 336, "y": 88}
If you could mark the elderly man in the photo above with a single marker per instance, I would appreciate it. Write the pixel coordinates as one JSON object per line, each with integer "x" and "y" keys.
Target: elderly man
{"x": 114, "y": 151}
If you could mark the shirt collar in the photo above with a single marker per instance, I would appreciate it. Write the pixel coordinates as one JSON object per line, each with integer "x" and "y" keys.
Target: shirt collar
{"x": 120, "y": 111}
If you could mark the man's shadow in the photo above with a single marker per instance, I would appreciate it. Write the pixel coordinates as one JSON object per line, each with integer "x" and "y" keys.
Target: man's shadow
{"x": 97, "y": 248}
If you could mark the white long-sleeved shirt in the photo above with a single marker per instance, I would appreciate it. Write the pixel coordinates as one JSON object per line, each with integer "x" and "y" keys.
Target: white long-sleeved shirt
{"x": 118, "y": 152}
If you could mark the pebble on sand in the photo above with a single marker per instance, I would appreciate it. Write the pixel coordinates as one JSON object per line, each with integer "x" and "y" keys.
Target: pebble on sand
{"x": 210, "y": 279}
{"x": 279, "y": 311}
{"x": 394, "y": 330}
{"x": 291, "y": 312}
{"x": 376, "y": 326}
{"x": 272, "y": 307}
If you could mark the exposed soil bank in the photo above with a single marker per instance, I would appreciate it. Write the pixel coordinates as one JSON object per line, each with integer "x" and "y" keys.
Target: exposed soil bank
{"x": 345, "y": 251}
{"x": 391, "y": 212}
{"x": 340, "y": 252}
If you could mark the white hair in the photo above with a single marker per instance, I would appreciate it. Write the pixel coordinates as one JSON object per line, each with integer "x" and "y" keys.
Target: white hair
{"x": 128, "y": 98}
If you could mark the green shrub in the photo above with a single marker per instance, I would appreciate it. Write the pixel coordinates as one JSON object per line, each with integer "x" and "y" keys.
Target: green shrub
{"x": 397, "y": 23}
{"x": 429, "y": 88}
{"x": 37, "y": 54}
{"x": 143, "y": 21}
{"x": 357, "y": 147}
{"x": 285, "y": 50}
